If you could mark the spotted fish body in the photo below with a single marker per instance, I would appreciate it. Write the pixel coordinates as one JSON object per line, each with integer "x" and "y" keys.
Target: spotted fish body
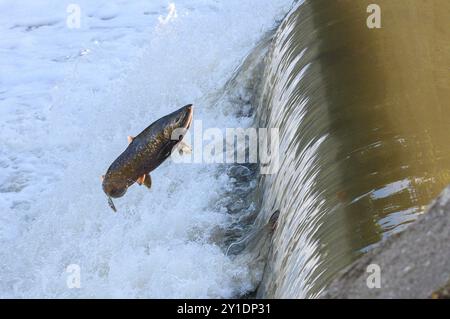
{"x": 146, "y": 152}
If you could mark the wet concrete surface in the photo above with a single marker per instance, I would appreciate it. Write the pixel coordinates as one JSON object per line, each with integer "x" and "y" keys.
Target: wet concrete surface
{"x": 413, "y": 264}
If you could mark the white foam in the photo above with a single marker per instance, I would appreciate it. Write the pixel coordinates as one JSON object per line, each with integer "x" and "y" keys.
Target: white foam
{"x": 68, "y": 99}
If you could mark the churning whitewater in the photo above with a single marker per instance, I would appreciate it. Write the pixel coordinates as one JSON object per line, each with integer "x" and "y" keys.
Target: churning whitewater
{"x": 69, "y": 98}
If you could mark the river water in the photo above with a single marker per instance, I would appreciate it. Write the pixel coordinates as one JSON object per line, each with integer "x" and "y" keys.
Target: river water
{"x": 363, "y": 117}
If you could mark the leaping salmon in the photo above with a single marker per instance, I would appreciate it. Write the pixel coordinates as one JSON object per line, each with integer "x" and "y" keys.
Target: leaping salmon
{"x": 146, "y": 152}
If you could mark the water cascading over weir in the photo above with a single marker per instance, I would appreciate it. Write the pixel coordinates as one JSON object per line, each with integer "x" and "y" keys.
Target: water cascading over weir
{"x": 364, "y": 118}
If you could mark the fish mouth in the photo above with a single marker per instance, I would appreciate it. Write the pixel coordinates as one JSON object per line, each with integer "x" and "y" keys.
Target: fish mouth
{"x": 189, "y": 116}
{"x": 113, "y": 188}
{"x": 117, "y": 194}
{"x": 111, "y": 204}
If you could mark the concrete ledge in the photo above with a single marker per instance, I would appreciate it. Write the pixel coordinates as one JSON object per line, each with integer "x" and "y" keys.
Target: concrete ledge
{"x": 413, "y": 264}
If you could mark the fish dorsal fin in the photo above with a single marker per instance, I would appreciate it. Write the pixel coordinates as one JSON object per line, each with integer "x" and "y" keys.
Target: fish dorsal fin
{"x": 130, "y": 139}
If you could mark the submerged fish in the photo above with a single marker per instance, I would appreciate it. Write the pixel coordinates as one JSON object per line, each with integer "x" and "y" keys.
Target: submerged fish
{"x": 258, "y": 241}
{"x": 146, "y": 152}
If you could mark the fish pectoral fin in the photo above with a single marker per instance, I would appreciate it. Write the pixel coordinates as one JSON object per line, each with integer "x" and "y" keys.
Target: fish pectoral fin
{"x": 130, "y": 139}
{"x": 147, "y": 181}
{"x": 141, "y": 180}
{"x": 184, "y": 148}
